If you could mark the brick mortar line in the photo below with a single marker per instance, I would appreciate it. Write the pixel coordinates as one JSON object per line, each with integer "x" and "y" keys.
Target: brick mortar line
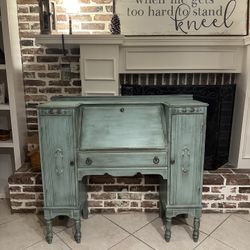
{"x": 26, "y": 200}
{"x": 28, "y": 14}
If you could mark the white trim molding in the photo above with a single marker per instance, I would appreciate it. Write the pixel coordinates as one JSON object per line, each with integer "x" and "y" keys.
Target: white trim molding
{"x": 99, "y": 69}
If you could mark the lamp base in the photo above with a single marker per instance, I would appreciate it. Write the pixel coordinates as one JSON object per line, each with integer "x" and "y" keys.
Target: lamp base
{"x": 70, "y": 25}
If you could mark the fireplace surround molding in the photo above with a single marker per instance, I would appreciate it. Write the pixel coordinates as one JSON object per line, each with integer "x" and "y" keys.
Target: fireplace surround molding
{"x": 103, "y": 57}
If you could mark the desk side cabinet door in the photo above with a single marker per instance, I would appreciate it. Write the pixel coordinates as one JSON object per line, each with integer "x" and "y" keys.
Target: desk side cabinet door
{"x": 186, "y": 165}
{"x": 57, "y": 155}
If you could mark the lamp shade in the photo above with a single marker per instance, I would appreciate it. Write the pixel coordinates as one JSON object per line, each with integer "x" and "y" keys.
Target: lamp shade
{"x": 71, "y": 6}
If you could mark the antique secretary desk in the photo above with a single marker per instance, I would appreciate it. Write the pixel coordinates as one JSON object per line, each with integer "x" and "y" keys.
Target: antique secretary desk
{"x": 122, "y": 136}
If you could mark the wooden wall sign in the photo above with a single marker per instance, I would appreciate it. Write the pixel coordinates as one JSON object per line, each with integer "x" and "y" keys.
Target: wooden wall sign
{"x": 183, "y": 17}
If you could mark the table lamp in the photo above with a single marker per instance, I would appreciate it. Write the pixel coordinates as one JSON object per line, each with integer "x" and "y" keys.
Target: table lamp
{"x": 71, "y": 7}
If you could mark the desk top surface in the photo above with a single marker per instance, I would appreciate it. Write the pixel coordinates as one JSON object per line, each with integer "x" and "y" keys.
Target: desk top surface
{"x": 168, "y": 100}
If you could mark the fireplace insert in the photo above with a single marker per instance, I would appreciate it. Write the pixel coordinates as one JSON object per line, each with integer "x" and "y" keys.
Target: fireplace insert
{"x": 219, "y": 117}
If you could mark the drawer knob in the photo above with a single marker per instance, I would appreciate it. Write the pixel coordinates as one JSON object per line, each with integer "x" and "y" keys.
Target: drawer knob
{"x": 122, "y": 110}
{"x": 88, "y": 161}
{"x": 185, "y": 171}
{"x": 156, "y": 160}
{"x": 172, "y": 162}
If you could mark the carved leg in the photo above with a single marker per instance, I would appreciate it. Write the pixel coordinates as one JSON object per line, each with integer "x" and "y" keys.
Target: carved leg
{"x": 49, "y": 232}
{"x": 160, "y": 211}
{"x": 78, "y": 231}
{"x": 85, "y": 211}
{"x": 196, "y": 229}
{"x": 168, "y": 229}
{"x": 83, "y": 198}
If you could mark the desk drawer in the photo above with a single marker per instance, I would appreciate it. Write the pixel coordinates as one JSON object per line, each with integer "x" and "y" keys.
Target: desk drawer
{"x": 92, "y": 160}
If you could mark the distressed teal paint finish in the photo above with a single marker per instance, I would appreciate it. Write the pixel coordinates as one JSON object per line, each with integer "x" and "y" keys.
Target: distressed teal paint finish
{"x": 185, "y": 167}
{"x": 81, "y": 136}
{"x": 57, "y": 157}
{"x": 59, "y": 170}
{"x": 142, "y": 123}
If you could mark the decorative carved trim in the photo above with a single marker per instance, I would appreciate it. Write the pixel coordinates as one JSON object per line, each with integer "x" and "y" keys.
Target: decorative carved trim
{"x": 56, "y": 111}
{"x": 59, "y": 161}
{"x": 189, "y": 110}
{"x": 185, "y": 160}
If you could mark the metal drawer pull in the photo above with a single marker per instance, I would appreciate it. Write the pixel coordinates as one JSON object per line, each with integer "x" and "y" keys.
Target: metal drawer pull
{"x": 88, "y": 161}
{"x": 59, "y": 161}
{"x": 172, "y": 162}
{"x": 185, "y": 162}
{"x": 156, "y": 160}
{"x": 122, "y": 110}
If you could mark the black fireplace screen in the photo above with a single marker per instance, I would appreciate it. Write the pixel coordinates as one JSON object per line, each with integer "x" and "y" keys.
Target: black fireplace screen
{"x": 219, "y": 117}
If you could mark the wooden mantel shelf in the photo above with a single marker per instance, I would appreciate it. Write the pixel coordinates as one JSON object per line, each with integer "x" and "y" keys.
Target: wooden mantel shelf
{"x": 77, "y": 39}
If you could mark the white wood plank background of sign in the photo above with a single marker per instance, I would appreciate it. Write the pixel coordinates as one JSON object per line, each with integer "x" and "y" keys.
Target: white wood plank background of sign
{"x": 182, "y": 17}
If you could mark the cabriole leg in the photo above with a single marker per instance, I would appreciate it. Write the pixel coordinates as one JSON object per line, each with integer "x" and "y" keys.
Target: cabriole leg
{"x": 78, "y": 231}
{"x": 85, "y": 211}
{"x": 196, "y": 229}
{"x": 49, "y": 232}
{"x": 83, "y": 197}
{"x": 161, "y": 212}
{"x": 168, "y": 229}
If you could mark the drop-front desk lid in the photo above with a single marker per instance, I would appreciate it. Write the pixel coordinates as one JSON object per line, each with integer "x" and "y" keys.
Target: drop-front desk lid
{"x": 122, "y": 126}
